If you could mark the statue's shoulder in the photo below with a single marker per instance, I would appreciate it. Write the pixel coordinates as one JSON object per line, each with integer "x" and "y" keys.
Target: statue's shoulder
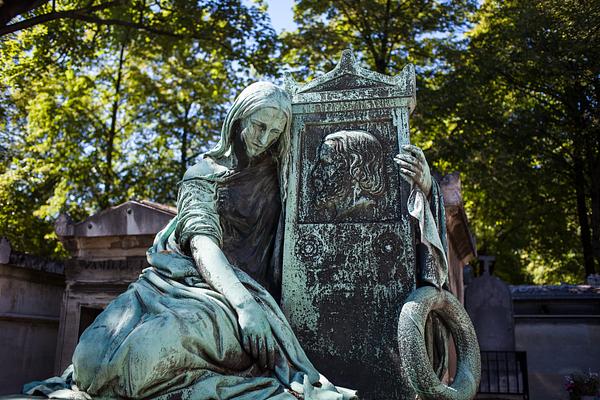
{"x": 207, "y": 168}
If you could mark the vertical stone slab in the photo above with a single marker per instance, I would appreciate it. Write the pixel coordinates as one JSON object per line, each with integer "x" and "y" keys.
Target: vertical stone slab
{"x": 489, "y": 303}
{"x": 349, "y": 259}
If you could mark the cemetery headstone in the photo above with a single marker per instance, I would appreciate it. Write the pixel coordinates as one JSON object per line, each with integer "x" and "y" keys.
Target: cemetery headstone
{"x": 349, "y": 250}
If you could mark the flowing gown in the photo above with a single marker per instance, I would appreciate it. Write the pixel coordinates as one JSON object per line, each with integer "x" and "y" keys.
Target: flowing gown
{"x": 170, "y": 335}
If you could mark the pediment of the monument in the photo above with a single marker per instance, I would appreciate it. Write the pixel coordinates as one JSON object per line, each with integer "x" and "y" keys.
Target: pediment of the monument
{"x": 347, "y": 82}
{"x": 350, "y": 76}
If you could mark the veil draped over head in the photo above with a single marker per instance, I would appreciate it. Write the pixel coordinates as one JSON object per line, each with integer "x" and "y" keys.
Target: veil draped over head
{"x": 253, "y": 98}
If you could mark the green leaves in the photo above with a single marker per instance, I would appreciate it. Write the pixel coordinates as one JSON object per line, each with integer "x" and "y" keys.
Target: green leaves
{"x": 111, "y": 100}
{"x": 521, "y": 96}
{"x": 512, "y": 104}
{"x": 114, "y": 102}
{"x": 385, "y": 34}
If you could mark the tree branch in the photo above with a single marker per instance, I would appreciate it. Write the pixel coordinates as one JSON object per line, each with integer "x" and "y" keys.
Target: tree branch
{"x": 528, "y": 90}
{"x": 362, "y": 28}
{"x": 128, "y": 24}
{"x": 54, "y": 15}
{"x": 385, "y": 51}
{"x": 11, "y": 9}
{"x": 84, "y": 14}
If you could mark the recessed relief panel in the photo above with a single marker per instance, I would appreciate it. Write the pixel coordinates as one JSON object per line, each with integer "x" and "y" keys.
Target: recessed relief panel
{"x": 347, "y": 173}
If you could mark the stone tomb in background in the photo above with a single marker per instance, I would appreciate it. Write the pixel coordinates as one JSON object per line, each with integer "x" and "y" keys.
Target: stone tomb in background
{"x": 108, "y": 253}
{"x": 349, "y": 258}
{"x": 30, "y": 297}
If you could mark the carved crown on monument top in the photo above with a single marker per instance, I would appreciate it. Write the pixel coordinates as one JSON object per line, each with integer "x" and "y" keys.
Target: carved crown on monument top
{"x": 349, "y": 81}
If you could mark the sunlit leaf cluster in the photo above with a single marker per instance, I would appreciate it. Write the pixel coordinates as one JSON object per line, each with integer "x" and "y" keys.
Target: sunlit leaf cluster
{"x": 114, "y": 102}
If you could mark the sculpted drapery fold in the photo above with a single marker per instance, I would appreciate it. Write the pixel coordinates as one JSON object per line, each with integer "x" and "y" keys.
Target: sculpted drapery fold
{"x": 431, "y": 220}
{"x": 197, "y": 213}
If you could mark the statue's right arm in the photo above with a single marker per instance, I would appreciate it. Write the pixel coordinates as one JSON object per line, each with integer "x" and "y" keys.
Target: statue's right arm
{"x": 214, "y": 267}
{"x": 198, "y": 233}
{"x": 216, "y": 270}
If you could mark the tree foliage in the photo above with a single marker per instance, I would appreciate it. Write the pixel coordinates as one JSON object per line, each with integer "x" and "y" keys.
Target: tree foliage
{"x": 385, "y": 34}
{"x": 518, "y": 116}
{"x": 103, "y": 101}
{"x": 115, "y": 105}
{"x": 509, "y": 99}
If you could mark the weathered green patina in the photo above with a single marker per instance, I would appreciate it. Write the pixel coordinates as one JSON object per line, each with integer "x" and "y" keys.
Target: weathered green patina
{"x": 365, "y": 228}
{"x": 411, "y": 337}
{"x": 200, "y": 324}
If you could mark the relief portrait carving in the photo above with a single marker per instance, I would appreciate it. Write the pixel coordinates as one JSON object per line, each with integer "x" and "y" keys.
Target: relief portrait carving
{"x": 349, "y": 176}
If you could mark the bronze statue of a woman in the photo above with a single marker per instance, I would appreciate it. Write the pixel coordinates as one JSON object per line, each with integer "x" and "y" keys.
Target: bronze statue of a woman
{"x": 200, "y": 323}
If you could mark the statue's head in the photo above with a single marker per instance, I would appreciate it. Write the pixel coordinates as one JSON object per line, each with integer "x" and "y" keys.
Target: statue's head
{"x": 350, "y": 168}
{"x": 261, "y": 115}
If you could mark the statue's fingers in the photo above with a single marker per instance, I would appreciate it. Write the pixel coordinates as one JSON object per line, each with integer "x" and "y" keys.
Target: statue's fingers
{"x": 410, "y": 147}
{"x": 408, "y": 172}
{"x": 418, "y": 169}
{"x": 419, "y": 179}
{"x": 406, "y": 177}
{"x": 407, "y": 165}
{"x": 415, "y": 151}
{"x": 421, "y": 156}
{"x": 408, "y": 157}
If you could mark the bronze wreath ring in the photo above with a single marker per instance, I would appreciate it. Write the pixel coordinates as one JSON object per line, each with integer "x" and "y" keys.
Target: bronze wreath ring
{"x": 411, "y": 338}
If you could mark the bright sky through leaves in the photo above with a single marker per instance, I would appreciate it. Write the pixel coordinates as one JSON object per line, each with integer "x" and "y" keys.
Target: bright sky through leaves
{"x": 282, "y": 15}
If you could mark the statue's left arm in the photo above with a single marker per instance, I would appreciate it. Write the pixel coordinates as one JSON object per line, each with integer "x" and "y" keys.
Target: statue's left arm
{"x": 426, "y": 205}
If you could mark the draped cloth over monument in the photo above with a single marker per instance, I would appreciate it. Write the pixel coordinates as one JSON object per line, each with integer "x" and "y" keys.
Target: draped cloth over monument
{"x": 171, "y": 332}
{"x": 432, "y": 264}
{"x": 431, "y": 220}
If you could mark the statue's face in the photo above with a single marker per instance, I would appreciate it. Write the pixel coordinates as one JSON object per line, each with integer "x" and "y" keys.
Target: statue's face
{"x": 261, "y": 129}
{"x": 329, "y": 175}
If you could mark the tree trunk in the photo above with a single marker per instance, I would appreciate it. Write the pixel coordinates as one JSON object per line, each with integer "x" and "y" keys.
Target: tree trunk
{"x": 582, "y": 213}
{"x": 184, "y": 143}
{"x": 112, "y": 133}
{"x": 595, "y": 190}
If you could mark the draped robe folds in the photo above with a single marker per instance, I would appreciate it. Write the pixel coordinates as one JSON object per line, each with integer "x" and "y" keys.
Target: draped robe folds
{"x": 170, "y": 333}
{"x": 432, "y": 264}
{"x": 432, "y": 248}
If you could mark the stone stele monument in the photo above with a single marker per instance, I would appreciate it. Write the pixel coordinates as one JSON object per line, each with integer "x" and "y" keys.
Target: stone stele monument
{"x": 353, "y": 252}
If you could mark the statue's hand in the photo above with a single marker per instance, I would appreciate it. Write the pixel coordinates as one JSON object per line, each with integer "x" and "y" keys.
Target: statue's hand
{"x": 257, "y": 338}
{"x": 414, "y": 167}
